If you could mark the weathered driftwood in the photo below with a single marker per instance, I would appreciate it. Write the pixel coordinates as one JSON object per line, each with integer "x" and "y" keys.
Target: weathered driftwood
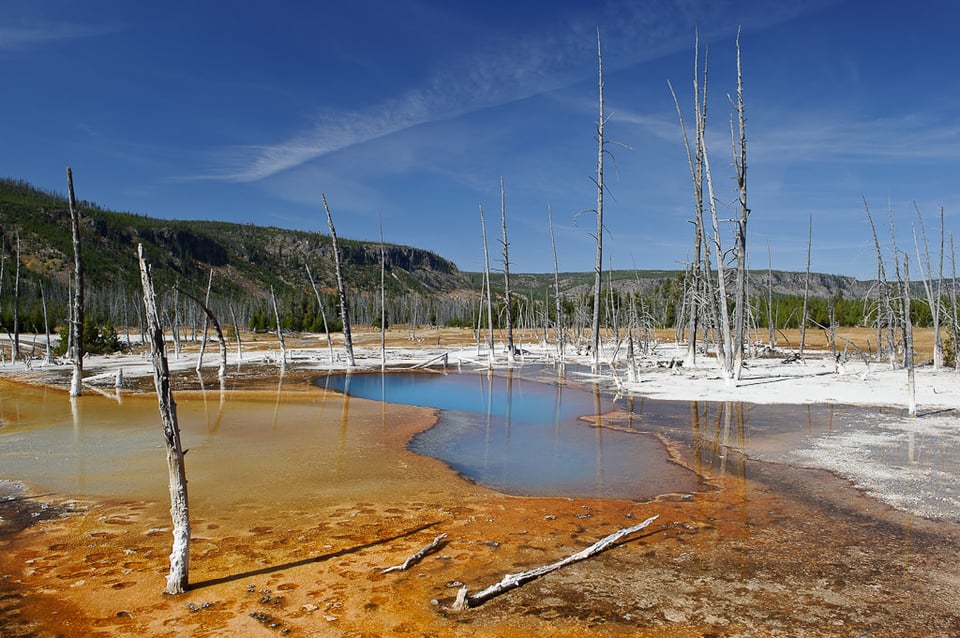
{"x": 512, "y": 581}
{"x": 416, "y": 557}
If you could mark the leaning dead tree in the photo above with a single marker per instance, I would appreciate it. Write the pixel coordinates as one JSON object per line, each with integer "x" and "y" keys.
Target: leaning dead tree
{"x": 212, "y": 320}
{"x": 341, "y": 290}
{"x": 885, "y": 314}
{"x": 512, "y": 581}
{"x": 323, "y": 313}
{"x": 76, "y": 324}
{"x": 177, "y": 578}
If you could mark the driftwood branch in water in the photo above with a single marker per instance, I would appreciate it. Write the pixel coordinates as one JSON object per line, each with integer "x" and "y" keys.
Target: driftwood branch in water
{"x": 416, "y": 557}
{"x": 512, "y": 581}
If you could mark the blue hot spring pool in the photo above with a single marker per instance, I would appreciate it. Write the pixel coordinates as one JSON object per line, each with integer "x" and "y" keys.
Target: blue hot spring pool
{"x": 526, "y": 437}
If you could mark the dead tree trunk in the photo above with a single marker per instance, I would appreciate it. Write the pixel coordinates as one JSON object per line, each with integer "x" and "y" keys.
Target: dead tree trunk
{"x": 885, "y": 315}
{"x": 76, "y": 326}
{"x": 236, "y": 329}
{"x": 15, "y": 352}
{"x": 486, "y": 279}
{"x": 341, "y": 289}
{"x": 206, "y": 323}
{"x": 283, "y": 347}
{"x": 383, "y": 303}
{"x": 558, "y": 300}
{"x": 725, "y": 342}
{"x": 323, "y": 313}
{"x": 908, "y": 340}
{"x": 511, "y": 350}
{"x": 212, "y": 319}
{"x": 740, "y": 166}
{"x": 926, "y": 276}
{"x": 177, "y": 578}
{"x": 598, "y": 280}
{"x": 512, "y": 581}
{"x": 46, "y": 325}
{"x": 771, "y": 325}
{"x": 955, "y": 325}
{"x": 806, "y": 291}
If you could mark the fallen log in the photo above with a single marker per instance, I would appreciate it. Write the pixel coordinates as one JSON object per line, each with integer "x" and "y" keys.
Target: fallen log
{"x": 512, "y": 581}
{"x": 416, "y": 557}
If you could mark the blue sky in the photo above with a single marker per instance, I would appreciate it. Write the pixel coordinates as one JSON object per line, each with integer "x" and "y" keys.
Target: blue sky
{"x": 411, "y": 111}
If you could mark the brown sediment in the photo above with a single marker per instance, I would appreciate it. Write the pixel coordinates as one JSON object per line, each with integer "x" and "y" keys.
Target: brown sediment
{"x": 774, "y": 550}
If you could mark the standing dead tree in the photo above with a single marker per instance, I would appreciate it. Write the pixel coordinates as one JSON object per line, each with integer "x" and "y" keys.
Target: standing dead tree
{"x": 740, "y": 167}
{"x": 511, "y": 349}
{"x": 908, "y": 362}
{"x": 933, "y": 295}
{"x": 695, "y": 161}
{"x": 806, "y": 290}
{"x": 283, "y": 346}
{"x": 76, "y": 325}
{"x": 341, "y": 289}
{"x": 177, "y": 578}
{"x": 558, "y": 300}
{"x": 486, "y": 280}
{"x": 598, "y": 279}
{"x": 15, "y": 351}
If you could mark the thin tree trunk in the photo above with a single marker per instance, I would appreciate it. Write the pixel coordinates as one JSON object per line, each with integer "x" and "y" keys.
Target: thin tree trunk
{"x": 486, "y": 276}
{"x": 511, "y": 350}
{"x": 955, "y": 327}
{"x": 212, "y": 319}
{"x": 883, "y": 294}
{"x": 908, "y": 340}
{"x": 926, "y": 276}
{"x": 558, "y": 300}
{"x": 76, "y": 331}
{"x": 341, "y": 289}
{"x": 383, "y": 303}
{"x": 771, "y": 326}
{"x": 236, "y": 329}
{"x": 283, "y": 347}
{"x": 323, "y": 313}
{"x": 806, "y": 291}
{"x": 740, "y": 163}
{"x": 177, "y": 578}
{"x": 598, "y": 268}
{"x": 46, "y": 324}
{"x": 15, "y": 352}
{"x": 206, "y": 324}
{"x": 724, "y": 338}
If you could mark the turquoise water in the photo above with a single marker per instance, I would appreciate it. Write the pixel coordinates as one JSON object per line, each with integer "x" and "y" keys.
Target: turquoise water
{"x": 524, "y": 437}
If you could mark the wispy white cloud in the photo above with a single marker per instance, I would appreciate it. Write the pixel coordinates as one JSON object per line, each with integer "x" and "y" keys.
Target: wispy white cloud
{"x": 906, "y": 138}
{"x": 507, "y": 70}
{"x": 24, "y": 37}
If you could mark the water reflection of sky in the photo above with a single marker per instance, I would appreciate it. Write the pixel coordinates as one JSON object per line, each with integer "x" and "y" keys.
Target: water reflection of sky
{"x": 526, "y": 437}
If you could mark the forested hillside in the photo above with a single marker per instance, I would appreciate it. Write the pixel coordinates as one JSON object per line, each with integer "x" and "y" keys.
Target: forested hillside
{"x": 248, "y": 261}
